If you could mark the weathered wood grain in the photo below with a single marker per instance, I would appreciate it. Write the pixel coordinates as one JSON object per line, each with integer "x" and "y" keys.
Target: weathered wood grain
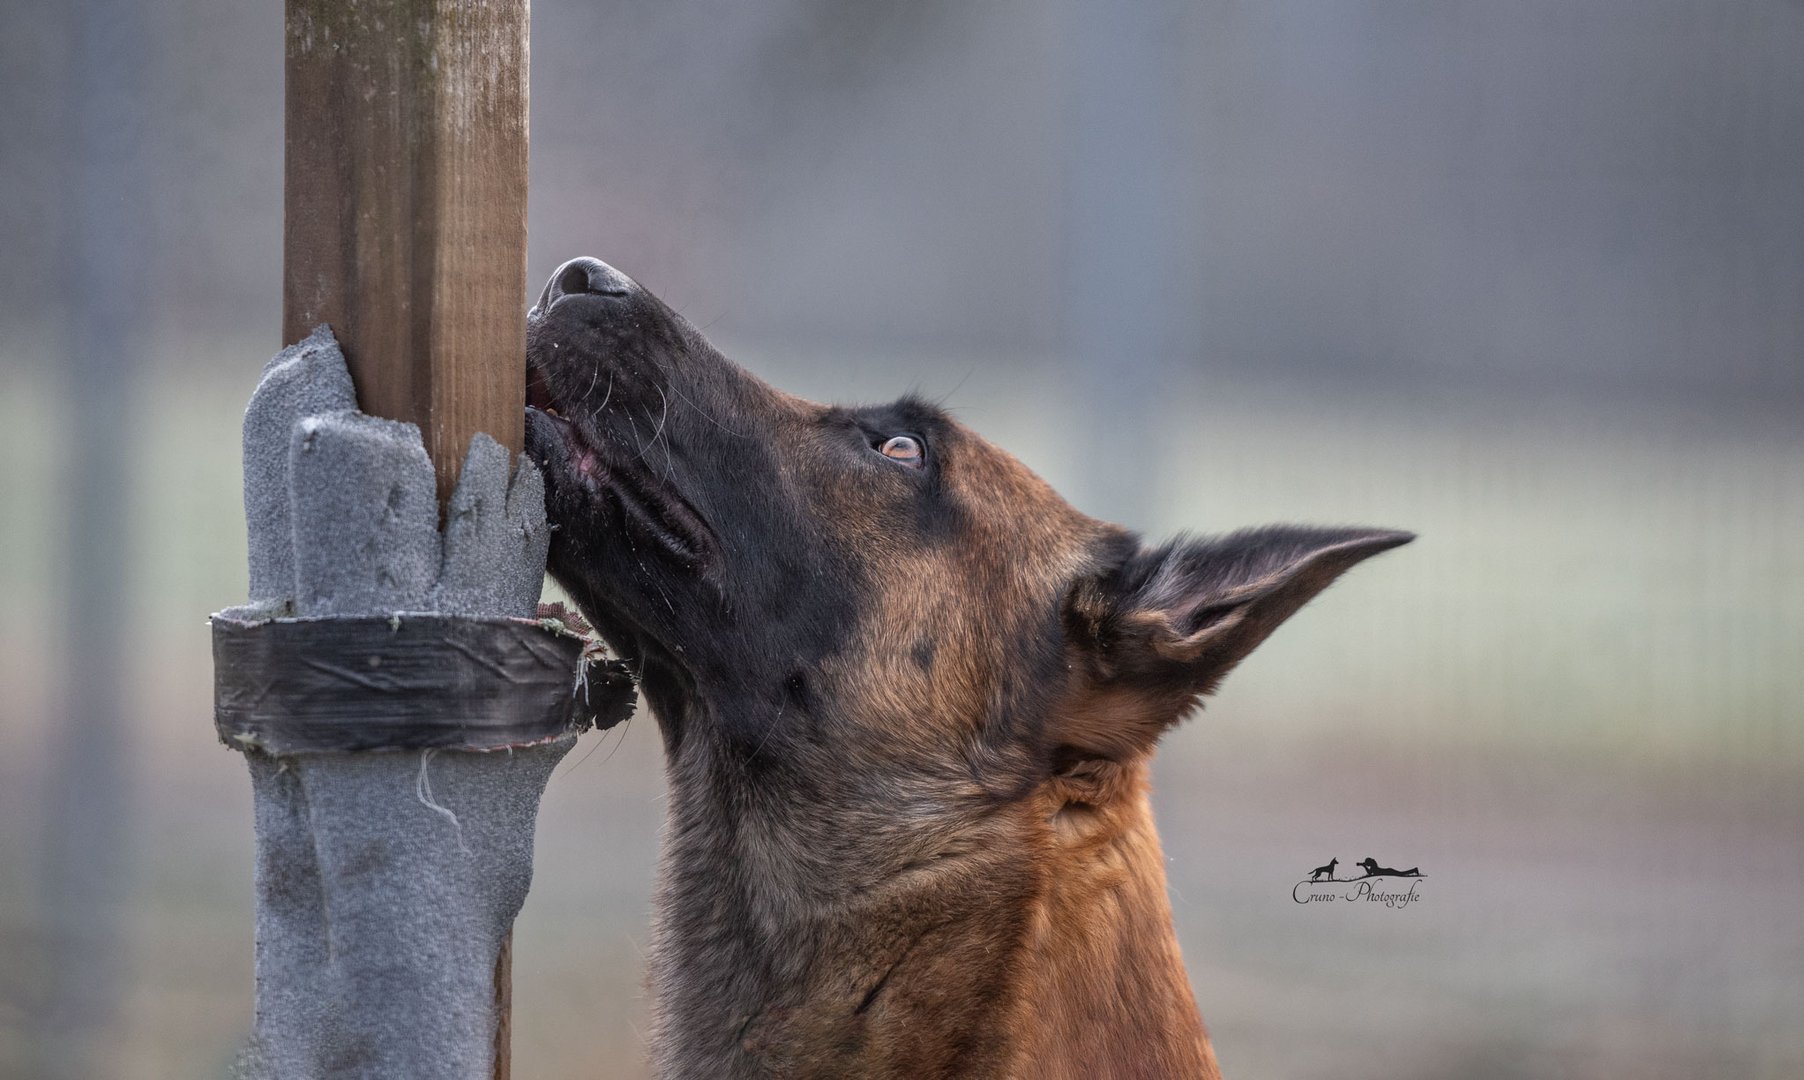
{"x": 405, "y": 207}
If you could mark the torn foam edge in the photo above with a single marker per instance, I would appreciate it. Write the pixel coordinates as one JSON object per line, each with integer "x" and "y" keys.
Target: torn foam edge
{"x": 343, "y": 512}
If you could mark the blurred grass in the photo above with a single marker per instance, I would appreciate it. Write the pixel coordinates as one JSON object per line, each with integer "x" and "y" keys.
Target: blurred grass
{"x": 1574, "y": 701}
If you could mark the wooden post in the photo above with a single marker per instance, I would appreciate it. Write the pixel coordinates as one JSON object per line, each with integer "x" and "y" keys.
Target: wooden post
{"x": 405, "y": 208}
{"x": 504, "y": 1009}
{"x": 404, "y": 223}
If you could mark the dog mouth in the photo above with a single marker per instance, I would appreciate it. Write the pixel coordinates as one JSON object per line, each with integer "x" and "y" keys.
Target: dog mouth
{"x": 617, "y": 481}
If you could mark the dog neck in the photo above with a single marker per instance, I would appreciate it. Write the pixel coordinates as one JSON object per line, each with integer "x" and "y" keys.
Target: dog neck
{"x": 1051, "y": 958}
{"x": 1106, "y": 990}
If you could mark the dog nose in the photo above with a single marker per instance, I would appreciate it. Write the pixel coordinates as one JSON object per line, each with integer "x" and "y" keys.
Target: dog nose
{"x": 584, "y": 275}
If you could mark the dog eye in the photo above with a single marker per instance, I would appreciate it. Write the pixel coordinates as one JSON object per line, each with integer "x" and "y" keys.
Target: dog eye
{"x": 903, "y": 448}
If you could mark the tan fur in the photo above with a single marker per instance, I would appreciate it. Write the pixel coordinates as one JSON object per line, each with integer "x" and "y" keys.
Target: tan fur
{"x": 909, "y": 706}
{"x": 1026, "y": 938}
{"x": 1108, "y": 995}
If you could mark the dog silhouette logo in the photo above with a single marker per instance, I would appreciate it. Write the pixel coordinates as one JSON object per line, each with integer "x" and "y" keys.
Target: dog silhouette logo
{"x": 1367, "y": 885}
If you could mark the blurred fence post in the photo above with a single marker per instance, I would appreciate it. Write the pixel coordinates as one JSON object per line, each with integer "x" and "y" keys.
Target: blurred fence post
{"x": 87, "y": 816}
{"x": 1123, "y": 277}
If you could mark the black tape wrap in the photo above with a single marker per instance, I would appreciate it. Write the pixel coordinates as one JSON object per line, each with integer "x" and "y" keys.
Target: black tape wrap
{"x": 407, "y": 682}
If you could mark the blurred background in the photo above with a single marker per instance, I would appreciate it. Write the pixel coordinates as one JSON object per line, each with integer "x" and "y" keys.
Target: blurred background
{"x": 1526, "y": 278}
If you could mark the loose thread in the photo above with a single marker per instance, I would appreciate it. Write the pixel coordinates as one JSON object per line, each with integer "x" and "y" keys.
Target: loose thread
{"x": 422, "y": 789}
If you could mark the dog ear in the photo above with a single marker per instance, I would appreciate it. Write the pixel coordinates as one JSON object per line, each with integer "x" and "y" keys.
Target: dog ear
{"x": 1162, "y": 626}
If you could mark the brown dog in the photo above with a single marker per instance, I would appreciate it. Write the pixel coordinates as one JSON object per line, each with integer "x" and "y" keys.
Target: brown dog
{"x": 908, "y": 696}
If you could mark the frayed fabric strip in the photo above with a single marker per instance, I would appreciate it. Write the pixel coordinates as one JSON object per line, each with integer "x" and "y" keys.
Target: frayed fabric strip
{"x": 406, "y": 682}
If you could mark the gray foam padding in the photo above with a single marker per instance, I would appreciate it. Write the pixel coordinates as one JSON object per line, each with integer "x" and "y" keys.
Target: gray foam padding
{"x": 306, "y": 379}
{"x": 495, "y": 537}
{"x": 342, "y": 507}
{"x": 385, "y": 881}
{"x": 379, "y": 918}
{"x": 364, "y": 516}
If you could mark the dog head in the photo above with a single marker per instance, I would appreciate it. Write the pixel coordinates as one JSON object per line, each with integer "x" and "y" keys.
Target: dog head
{"x": 869, "y": 610}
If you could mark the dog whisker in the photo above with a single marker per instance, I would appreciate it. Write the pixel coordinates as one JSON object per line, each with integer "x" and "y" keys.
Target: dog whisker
{"x": 703, "y": 413}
